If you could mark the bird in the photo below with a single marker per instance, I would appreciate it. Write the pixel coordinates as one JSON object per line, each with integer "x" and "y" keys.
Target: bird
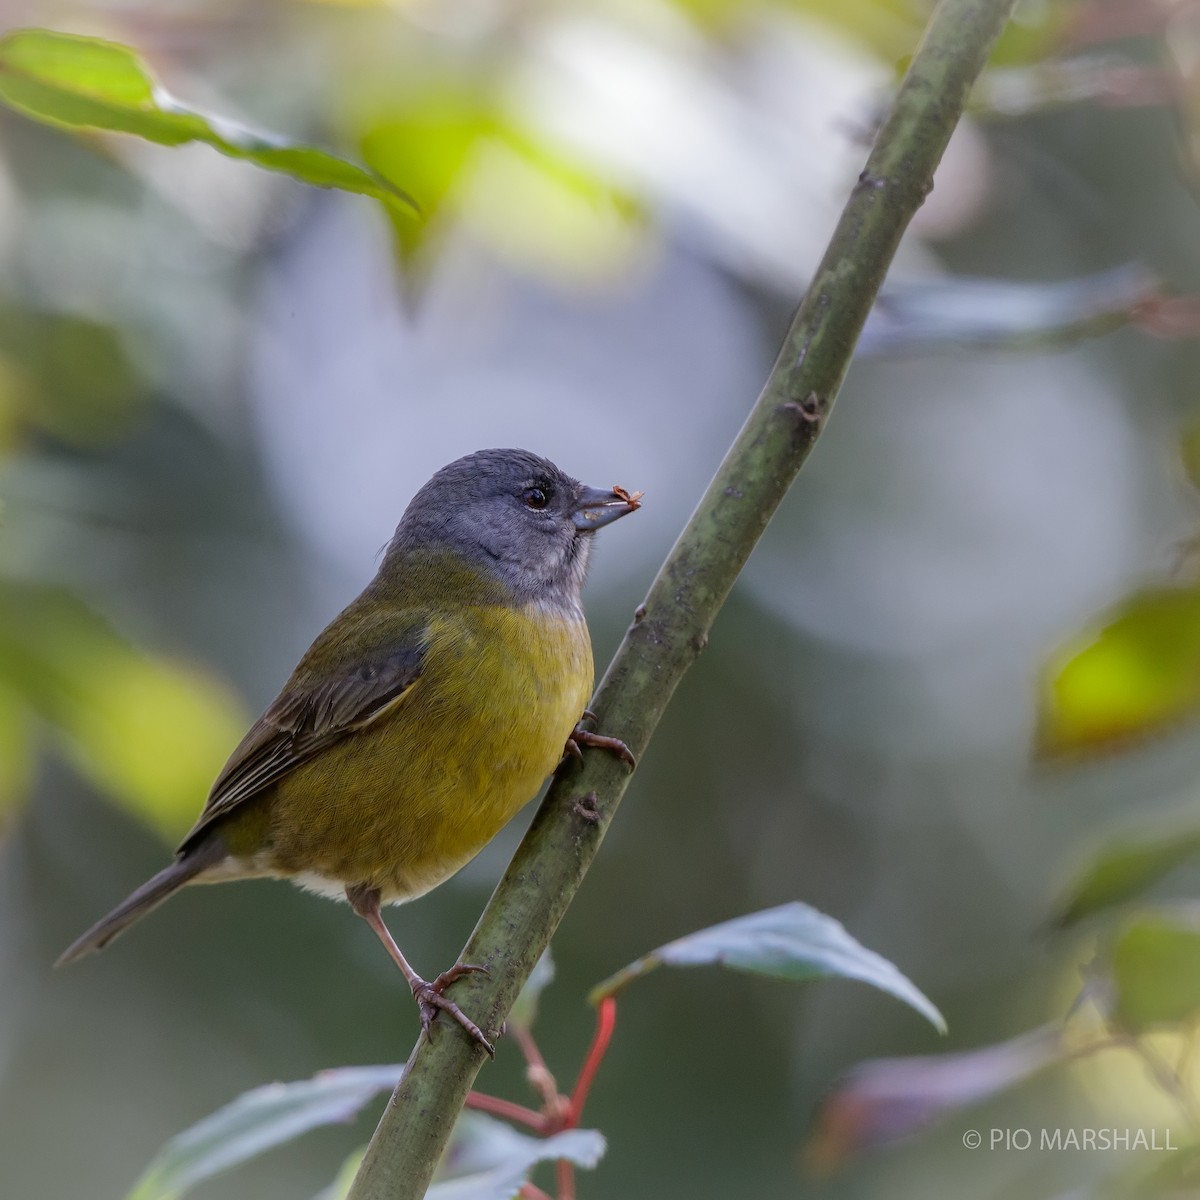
{"x": 423, "y": 717}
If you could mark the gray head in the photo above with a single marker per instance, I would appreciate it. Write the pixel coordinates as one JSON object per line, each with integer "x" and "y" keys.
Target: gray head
{"x": 516, "y": 514}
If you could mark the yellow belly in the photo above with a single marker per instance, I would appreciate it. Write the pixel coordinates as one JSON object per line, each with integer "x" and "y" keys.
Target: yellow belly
{"x": 404, "y": 803}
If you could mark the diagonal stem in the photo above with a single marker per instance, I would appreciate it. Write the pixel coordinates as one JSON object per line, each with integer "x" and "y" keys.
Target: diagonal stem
{"x": 672, "y": 626}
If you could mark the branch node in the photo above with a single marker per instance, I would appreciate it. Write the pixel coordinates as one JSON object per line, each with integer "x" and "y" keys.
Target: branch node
{"x": 586, "y": 809}
{"x": 810, "y": 410}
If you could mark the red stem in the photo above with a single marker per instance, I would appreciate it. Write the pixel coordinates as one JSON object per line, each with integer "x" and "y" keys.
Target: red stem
{"x": 606, "y": 1019}
{"x": 529, "y": 1048}
{"x": 531, "y": 1191}
{"x": 482, "y": 1102}
{"x": 566, "y": 1180}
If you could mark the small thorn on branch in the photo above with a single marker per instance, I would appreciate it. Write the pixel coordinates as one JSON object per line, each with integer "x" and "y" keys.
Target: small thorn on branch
{"x": 810, "y": 410}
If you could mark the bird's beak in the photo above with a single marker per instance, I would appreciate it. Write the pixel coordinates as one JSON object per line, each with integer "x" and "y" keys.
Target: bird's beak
{"x": 595, "y": 507}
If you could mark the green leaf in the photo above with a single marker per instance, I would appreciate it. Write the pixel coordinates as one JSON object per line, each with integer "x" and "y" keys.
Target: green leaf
{"x": 1156, "y": 971}
{"x": 501, "y": 1158}
{"x": 793, "y": 942}
{"x": 1122, "y": 870}
{"x": 1135, "y": 676}
{"x": 258, "y": 1121}
{"x": 86, "y": 83}
{"x": 524, "y": 1010}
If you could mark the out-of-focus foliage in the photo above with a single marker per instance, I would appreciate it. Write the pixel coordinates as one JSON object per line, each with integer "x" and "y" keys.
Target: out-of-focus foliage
{"x": 525, "y": 1009}
{"x": 486, "y": 1159}
{"x": 148, "y": 731}
{"x": 1124, "y": 870}
{"x": 504, "y": 1158}
{"x": 215, "y": 398}
{"x": 890, "y": 1099}
{"x": 977, "y": 314}
{"x": 64, "y": 376}
{"x": 1156, "y": 972}
{"x": 1137, "y": 675}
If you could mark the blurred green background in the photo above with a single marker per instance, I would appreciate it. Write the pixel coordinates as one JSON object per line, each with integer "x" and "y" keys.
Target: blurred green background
{"x": 219, "y": 388}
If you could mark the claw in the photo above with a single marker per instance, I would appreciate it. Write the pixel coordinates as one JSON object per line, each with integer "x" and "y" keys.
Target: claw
{"x": 599, "y": 741}
{"x": 431, "y": 1001}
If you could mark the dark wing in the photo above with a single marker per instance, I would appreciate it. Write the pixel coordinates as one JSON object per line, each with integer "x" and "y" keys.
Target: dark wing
{"x": 305, "y": 718}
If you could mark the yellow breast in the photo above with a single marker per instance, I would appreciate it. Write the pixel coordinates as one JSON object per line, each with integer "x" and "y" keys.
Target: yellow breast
{"x": 404, "y": 803}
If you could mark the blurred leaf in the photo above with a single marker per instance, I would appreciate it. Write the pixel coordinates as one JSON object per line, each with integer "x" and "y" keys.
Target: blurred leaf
{"x": 957, "y": 313}
{"x": 16, "y": 754}
{"x": 1032, "y": 33}
{"x": 258, "y": 1121}
{"x": 462, "y": 156}
{"x": 76, "y": 380}
{"x": 430, "y": 145}
{"x": 1134, "y": 677}
{"x": 524, "y": 1010}
{"x": 1123, "y": 870}
{"x": 17, "y": 389}
{"x": 339, "y": 1189}
{"x": 79, "y": 82}
{"x": 1189, "y": 447}
{"x": 793, "y": 942}
{"x": 889, "y": 28}
{"x": 1181, "y": 62}
{"x": 1156, "y": 971}
{"x": 501, "y": 1158}
{"x": 1177, "y": 1175}
{"x": 1018, "y": 91}
{"x": 542, "y": 208}
{"x": 151, "y": 732}
{"x": 889, "y": 1099}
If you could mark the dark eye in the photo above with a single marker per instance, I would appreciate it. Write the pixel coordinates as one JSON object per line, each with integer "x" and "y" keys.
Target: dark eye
{"x": 535, "y": 497}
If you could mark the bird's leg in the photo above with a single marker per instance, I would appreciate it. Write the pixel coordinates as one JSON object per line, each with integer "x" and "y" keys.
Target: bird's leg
{"x": 582, "y": 737}
{"x": 365, "y": 901}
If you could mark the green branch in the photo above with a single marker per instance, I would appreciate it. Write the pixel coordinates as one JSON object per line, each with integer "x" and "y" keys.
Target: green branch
{"x": 672, "y": 626}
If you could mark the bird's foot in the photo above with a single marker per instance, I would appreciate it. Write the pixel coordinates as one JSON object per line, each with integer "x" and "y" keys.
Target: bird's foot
{"x": 581, "y": 737}
{"x": 431, "y": 1001}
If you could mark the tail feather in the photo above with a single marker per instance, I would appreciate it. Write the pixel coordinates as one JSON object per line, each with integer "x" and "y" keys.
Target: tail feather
{"x": 149, "y": 896}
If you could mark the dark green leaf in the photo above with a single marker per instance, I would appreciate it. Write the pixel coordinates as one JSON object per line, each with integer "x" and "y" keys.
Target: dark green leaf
{"x": 266, "y": 1117}
{"x": 1156, "y": 971}
{"x": 80, "y": 82}
{"x": 68, "y": 376}
{"x": 793, "y": 942}
{"x": 1123, "y": 870}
